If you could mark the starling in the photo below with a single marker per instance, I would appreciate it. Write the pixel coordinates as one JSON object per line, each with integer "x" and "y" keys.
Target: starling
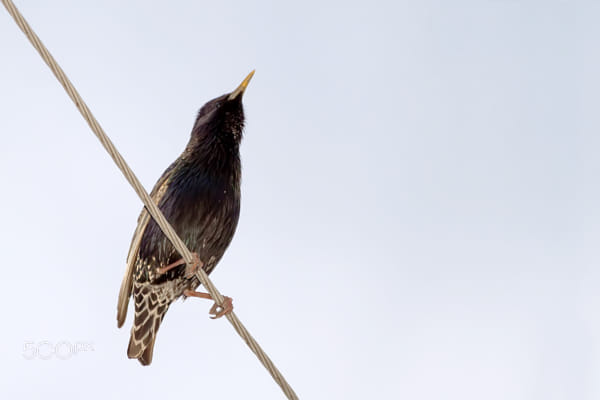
{"x": 199, "y": 194}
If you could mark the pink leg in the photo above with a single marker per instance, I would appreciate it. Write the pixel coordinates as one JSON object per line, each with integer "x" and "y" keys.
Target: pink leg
{"x": 190, "y": 270}
{"x": 216, "y": 311}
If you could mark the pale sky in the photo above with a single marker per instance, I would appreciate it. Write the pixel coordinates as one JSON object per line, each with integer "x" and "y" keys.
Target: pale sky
{"x": 420, "y": 199}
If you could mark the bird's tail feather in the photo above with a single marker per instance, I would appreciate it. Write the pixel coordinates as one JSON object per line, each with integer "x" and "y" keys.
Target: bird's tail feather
{"x": 150, "y": 309}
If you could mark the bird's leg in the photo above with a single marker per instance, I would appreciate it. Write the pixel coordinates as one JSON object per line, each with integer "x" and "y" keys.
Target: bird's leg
{"x": 164, "y": 270}
{"x": 216, "y": 311}
{"x": 190, "y": 269}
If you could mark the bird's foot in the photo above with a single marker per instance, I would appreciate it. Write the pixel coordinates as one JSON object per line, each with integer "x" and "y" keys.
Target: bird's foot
{"x": 216, "y": 311}
{"x": 190, "y": 269}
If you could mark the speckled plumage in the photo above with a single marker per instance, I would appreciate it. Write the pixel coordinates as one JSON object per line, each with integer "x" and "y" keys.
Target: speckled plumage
{"x": 199, "y": 194}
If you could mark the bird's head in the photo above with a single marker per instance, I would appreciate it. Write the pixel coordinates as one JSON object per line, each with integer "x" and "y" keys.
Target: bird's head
{"x": 223, "y": 118}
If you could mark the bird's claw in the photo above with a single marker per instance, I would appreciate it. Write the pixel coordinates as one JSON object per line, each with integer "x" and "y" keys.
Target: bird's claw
{"x": 217, "y": 311}
{"x": 191, "y": 269}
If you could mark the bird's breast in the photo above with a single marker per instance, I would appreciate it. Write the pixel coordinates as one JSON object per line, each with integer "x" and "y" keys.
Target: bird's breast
{"x": 204, "y": 211}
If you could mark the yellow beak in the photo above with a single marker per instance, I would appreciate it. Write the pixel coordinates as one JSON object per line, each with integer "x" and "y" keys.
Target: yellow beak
{"x": 240, "y": 89}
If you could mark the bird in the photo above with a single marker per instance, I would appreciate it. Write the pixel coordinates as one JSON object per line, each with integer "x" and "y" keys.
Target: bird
{"x": 199, "y": 194}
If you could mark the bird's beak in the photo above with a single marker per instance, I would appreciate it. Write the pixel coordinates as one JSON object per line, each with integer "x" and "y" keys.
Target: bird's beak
{"x": 240, "y": 89}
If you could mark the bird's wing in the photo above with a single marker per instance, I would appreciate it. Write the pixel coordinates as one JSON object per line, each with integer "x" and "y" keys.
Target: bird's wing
{"x": 156, "y": 195}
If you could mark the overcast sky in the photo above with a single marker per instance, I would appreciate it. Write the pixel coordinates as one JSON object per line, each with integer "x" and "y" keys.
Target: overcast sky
{"x": 420, "y": 197}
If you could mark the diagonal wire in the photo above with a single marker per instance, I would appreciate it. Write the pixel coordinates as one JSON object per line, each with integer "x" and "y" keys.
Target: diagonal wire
{"x": 139, "y": 189}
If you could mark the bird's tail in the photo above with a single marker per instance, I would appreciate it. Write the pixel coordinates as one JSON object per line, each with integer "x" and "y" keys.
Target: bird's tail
{"x": 150, "y": 309}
